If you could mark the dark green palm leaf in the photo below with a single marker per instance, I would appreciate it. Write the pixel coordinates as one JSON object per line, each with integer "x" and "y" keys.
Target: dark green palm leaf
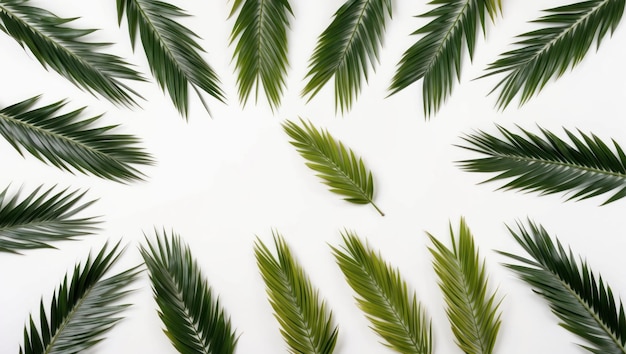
{"x": 83, "y": 309}
{"x": 337, "y": 166}
{"x": 261, "y": 51}
{"x": 580, "y": 299}
{"x": 41, "y": 218}
{"x": 347, "y": 48}
{"x": 171, "y": 49}
{"x": 62, "y": 48}
{"x": 383, "y": 295}
{"x": 549, "y": 164}
{"x": 437, "y": 56}
{"x": 472, "y": 311}
{"x": 306, "y": 323}
{"x": 564, "y": 39}
{"x": 194, "y": 320}
{"x": 71, "y": 143}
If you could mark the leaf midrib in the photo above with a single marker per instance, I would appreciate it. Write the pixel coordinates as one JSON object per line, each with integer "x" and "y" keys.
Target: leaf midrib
{"x": 337, "y": 168}
{"x": 60, "y": 47}
{"x": 589, "y": 311}
{"x": 568, "y": 29}
{"x": 470, "y": 303}
{"x": 341, "y": 62}
{"x": 57, "y": 136}
{"x": 390, "y": 305}
{"x": 558, "y": 163}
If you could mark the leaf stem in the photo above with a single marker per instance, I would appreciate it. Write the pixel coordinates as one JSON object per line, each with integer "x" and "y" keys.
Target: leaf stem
{"x": 377, "y": 209}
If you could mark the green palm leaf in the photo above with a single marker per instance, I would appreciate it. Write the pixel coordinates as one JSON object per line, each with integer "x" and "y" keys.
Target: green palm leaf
{"x": 347, "y": 48}
{"x": 382, "y": 294}
{"x": 306, "y": 323}
{"x": 171, "y": 49}
{"x": 63, "y": 49}
{"x": 41, "y": 218}
{"x": 192, "y": 315}
{"x": 580, "y": 299}
{"x": 549, "y": 164}
{"x": 564, "y": 39}
{"x": 336, "y": 165}
{"x": 261, "y": 51}
{"x": 437, "y": 56}
{"x": 83, "y": 309}
{"x": 473, "y": 313}
{"x": 71, "y": 143}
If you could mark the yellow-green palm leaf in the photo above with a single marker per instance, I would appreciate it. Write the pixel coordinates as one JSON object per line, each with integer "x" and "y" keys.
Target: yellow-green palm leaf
{"x": 261, "y": 51}
{"x": 471, "y": 308}
{"x": 384, "y": 297}
{"x": 305, "y": 321}
{"x": 347, "y": 49}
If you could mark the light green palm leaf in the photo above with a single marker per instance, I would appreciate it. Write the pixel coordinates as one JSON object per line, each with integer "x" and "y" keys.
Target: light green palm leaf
{"x": 306, "y": 323}
{"x": 261, "y": 50}
{"x": 383, "y": 295}
{"x": 437, "y": 56}
{"x": 472, "y": 311}
{"x": 336, "y": 165}
{"x": 580, "y": 299}
{"x": 171, "y": 49}
{"x": 64, "y": 49}
{"x": 83, "y": 309}
{"x": 564, "y": 39}
{"x": 548, "y": 164}
{"x": 71, "y": 143}
{"x": 347, "y": 49}
{"x": 193, "y": 317}
{"x": 41, "y": 218}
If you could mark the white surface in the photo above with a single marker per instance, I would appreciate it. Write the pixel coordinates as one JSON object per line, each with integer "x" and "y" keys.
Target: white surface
{"x": 220, "y": 182}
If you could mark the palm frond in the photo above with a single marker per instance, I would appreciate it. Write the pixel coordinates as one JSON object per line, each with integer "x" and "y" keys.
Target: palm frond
{"x": 347, "y": 49}
{"x": 383, "y": 295}
{"x": 337, "y": 166}
{"x": 472, "y": 311}
{"x": 261, "y": 50}
{"x": 71, "y": 143}
{"x": 437, "y": 56}
{"x": 549, "y": 164}
{"x": 171, "y": 49}
{"x": 41, "y": 218}
{"x": 306, "y": 323}
{"x": 566, "y": 34}
{"x": 58, "y": 46}
{"x": 83, "y": 309}
{"x": 193, "y": 317}
{"x": 580, "y": 299}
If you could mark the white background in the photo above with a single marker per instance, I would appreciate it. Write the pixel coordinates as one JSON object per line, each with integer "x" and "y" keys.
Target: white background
{"x": 221, "y": 181}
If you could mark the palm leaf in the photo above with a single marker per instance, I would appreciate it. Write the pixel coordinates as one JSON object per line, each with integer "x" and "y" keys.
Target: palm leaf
{"x": 261, "y": 50}
{"x": 473, "y": 313}
{"x": 564, "y": 39}
{"x": 71, "y": 143}
{"x": 306, "y": 324}
{"x": 347, "y": 48}
{"x": 437, "y": 56}
{"x": 382, "y": 294}
{"x": 171, "y": 49}
{"x": 549, "y": 164}
{"x": 83, "y": 309}
{"x": 193, "y": 317}
{"x": 63, "y": 48}
{"x": 336, "y": 165}
{"x": 41, "y": 218}
{"x": 580, "y": 299}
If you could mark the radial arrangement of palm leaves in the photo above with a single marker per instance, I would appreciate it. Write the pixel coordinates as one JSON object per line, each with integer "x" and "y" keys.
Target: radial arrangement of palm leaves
{"x": 272, "y": 176}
